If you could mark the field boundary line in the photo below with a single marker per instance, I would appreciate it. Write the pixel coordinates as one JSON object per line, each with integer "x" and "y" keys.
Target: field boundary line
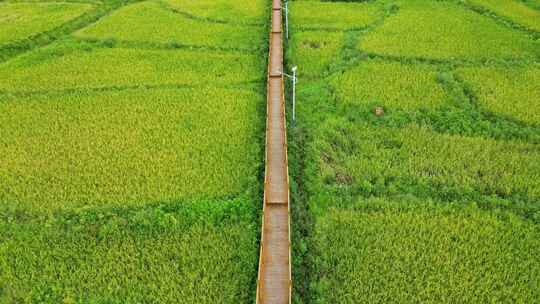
{"x": 160, "y": 46}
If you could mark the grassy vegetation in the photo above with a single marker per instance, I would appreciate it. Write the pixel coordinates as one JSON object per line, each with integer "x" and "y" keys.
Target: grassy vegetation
{"x": 390, "y": 84}
{"x": 59, "y": 67}
{"x": 443, "y": 30}
{"x": 436, "y": 200}
{"x": 512, "y": 92}
{"x": 131, "y": 23}
{"x": 130, "y": 153}
{"x": 22, "y": 20}
{"x": 399, "y": 251}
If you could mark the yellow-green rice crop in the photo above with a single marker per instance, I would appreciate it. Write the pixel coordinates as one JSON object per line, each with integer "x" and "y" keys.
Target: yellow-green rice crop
{"x": 415, "y": 160}
{"x": 130, "y": 154}
{"x": 66, "y": 67}
{"x": 201, "y": 252}
{"x": 390, "y": 84}
{"x": 517, "y": 11}
{"x": 385, "y": 251}
{"x": 444, "y": 30}
{"x": 328, "y": 15}
{"x": 131, "y": 23}
{"x": 532, "y": 3}
{"x": 22, "y": 20}
{"x": 513, "y": 92}
{"x": 237, "y": 11}
{"x": 314, "y": 51}
{"x": 127, "y": 147}
{"x": 436, "y": 199}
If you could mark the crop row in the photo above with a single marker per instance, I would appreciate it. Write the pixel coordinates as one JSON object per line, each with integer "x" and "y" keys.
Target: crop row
{"x": 390, "y": 84}
{"x": 400, "y": 82}
{"x": 200, "y": 24}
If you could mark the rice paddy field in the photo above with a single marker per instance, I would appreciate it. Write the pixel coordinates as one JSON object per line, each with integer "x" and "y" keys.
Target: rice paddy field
{"x": 132, "y": 150}
{"x": 416, "y": 151}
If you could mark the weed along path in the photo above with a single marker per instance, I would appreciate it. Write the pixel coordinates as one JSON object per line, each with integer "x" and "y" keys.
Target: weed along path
{"x": 274, "y": 279}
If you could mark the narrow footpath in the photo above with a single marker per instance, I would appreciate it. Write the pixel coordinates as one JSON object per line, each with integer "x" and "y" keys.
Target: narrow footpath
{"x": 274, "y": 278}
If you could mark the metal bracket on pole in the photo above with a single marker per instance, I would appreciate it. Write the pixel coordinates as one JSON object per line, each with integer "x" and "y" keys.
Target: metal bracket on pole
{"x": 294, "y": 81}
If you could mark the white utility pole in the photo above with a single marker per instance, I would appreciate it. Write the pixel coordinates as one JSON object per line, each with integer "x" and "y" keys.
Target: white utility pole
{"x": 294, "y": 81}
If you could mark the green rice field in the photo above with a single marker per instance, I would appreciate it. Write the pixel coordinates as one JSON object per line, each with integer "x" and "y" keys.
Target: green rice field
{"x": 132, "y": 150}
{"x": 24, "y": 20}
{"x": 132, "y": 139}
{"x": 416, "y": 152}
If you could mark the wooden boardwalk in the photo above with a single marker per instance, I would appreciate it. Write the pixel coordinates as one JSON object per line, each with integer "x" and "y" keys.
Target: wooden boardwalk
{"x": 274, "y": 279}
